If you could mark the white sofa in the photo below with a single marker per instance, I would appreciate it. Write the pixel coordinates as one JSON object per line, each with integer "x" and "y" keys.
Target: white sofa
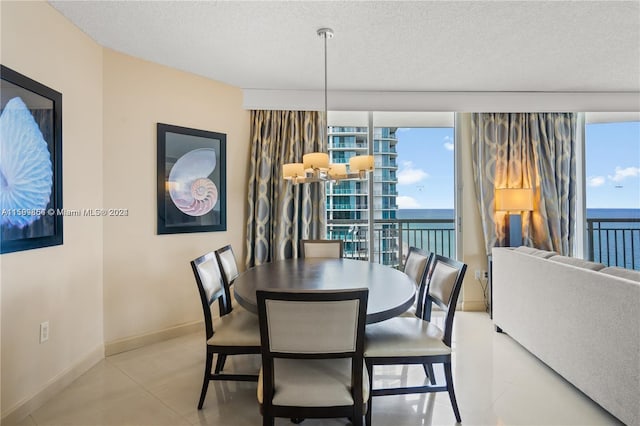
{"x": 578, "y": 317}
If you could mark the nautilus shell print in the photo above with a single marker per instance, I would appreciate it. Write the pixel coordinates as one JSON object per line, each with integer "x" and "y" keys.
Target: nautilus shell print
{"x": 190, "y": 188}
{"x": 26, "y": 173}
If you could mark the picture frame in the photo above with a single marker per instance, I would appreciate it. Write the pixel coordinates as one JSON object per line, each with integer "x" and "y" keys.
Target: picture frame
{"x": 191, "y": 180}
{"x": 31, "y": 213}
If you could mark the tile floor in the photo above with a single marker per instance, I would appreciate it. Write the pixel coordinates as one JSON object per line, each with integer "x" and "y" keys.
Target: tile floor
{"x": 497, "y": 383}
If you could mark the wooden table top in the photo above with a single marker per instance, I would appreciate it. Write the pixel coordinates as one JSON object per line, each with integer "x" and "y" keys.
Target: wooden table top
{"x": 391, "y": 292}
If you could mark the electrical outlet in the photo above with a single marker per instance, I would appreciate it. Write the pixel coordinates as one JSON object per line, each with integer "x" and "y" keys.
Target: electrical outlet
{"x": 485, "y": 275}
{"x": 44, "y": 331}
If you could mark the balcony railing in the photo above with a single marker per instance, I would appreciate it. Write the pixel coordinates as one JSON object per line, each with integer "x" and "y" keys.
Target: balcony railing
{"x": 393, "y": 237}
{"x": 614, "y": 242}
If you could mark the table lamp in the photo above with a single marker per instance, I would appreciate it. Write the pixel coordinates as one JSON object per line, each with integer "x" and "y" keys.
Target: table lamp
{"x": 514, "y": 201}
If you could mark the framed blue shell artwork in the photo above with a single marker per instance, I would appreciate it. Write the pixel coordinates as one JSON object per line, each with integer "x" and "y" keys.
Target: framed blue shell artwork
{"x": 191, "y": 180}
{"x": 30, "y": 163}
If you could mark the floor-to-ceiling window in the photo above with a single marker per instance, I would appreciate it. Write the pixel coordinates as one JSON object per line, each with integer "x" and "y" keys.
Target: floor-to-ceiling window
{"x": 612, "y": 189}
{"x": 426, "y": 188}
{"x": 410, "y": 199}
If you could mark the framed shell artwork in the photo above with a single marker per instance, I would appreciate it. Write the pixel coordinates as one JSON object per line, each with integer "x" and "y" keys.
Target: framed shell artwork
{"x": 30, "y": 163}
{"x": 191, "y": 180}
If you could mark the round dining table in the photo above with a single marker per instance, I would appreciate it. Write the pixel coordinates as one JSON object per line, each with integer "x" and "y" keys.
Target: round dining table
{"x": 391, "y": 292}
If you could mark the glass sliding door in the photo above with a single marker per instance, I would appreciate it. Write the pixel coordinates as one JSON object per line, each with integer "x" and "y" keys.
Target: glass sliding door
{"x": 425, "y": 214}
{"x": 612, "y": 170}
{"x": 410, "y": 202}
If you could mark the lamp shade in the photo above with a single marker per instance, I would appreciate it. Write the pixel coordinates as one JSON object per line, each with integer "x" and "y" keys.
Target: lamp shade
{"x": 316, "y": 161}
{"x": 292, "y": 170}
{"x": 361, "y": 163}
{"x": 514, "y": 199}
{"x": 337, "y": 171}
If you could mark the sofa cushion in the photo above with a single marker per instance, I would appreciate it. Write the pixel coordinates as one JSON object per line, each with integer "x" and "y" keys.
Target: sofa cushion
{"x": 580, "y": 263}
{"x": 545, "y": 254}
{"x": 617, "y": 271}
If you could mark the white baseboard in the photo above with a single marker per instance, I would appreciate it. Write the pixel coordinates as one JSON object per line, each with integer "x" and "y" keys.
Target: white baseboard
{"x": 27, "y": 406}
{"x": 135, "y": 342}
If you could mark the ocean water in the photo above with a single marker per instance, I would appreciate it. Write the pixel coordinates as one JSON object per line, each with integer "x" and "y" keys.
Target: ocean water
{"x": 425, "y": 214}
{"x": 615, "y": 243}
{"x": 448, "y": 214}
{"x": 435, "y": 237}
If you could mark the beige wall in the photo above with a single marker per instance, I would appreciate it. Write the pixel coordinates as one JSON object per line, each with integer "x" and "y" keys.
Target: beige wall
{"x": 113, "y": 279}
{"x": 148, "y": 283}
{"x": 61, "y": 284}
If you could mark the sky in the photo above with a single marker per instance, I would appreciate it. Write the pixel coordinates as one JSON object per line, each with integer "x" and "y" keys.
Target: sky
{"x": 613, "y": 165}
{"x": 425, "y": 166}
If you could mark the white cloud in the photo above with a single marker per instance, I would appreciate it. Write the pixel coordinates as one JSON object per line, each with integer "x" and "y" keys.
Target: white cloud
{"x": 595, "y": 181}
{"x": 621, "y": 174}
{"x": 448, "y": 143}
{"x": 405, "y": 202}
{"x": 407, "y": 175}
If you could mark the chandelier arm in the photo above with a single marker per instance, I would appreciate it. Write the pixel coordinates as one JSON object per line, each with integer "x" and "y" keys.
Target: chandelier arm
{"x": 315, "y": 166}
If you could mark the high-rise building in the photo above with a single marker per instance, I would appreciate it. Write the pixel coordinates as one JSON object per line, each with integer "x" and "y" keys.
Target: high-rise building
{"x": 348, "y": 201}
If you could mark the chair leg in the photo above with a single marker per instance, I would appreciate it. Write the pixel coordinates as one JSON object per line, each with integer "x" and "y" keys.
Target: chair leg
{"x": 358, "y": 415}
{"x": 207, "y": 378}
{"x": 428, "y": 370}
{"x": 452, "y": 395}
{"x": 220, "y": 363}
{"x": 369, "y": 407}
{"x": 267, "y": 421}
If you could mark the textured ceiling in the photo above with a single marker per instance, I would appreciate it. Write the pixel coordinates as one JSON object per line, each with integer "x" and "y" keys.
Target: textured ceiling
{"x": 380, "y": 45}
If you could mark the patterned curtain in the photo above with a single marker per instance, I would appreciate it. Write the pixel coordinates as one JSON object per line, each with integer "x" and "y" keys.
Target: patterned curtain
{"x": 280, "y": 213}
{"x": 527, "y": 150}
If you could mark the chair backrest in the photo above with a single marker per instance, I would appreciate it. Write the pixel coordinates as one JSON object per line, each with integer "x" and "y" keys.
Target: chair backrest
{"x": 442, "y": 287}
{"x": 416, "y": 267}
{"x": 321, "y": 248}
{"x": 312, "y": 325}
{"x": 227, "y": 262}
{"x": 211, "y": 287}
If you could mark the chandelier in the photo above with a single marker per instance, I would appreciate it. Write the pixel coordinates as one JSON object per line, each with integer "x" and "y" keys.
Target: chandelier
{"x": 315, "y": 166}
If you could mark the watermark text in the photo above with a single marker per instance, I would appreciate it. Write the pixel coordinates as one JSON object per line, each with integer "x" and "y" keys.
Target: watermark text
{"x": 89, "y": 212}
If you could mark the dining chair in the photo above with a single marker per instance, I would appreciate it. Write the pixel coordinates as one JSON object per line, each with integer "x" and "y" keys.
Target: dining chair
{"x": 416, "y": 267}
{"x": 229, "y": 267}
{"x": 227, "y": 261}
{"x": 312, "y": 354}
{"x": 332, "y": 249}
{"x": 404, "y": 340}
{"x": 234, "y": 332}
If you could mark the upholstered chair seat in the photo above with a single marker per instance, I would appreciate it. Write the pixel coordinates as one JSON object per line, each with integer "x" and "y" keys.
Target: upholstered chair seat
{"x": 314, "y": 383}
{"x": 237, "y": 328}
{"x": 402, "y": 336}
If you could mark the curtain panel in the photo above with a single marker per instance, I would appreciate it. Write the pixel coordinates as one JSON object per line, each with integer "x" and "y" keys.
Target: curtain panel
{"x": 527, "y": 150}
{"x": 280, "y": 213}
